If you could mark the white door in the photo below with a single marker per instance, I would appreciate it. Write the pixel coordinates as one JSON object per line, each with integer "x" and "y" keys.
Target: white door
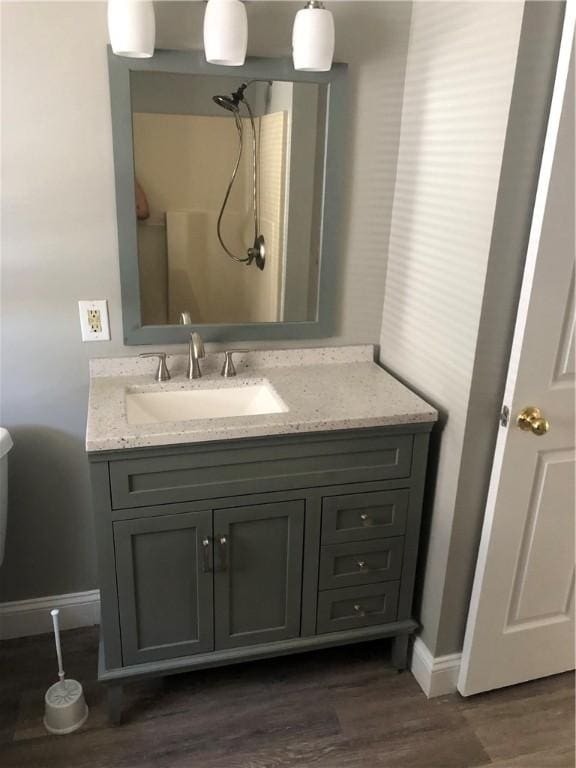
{"x": 521, "y": 619}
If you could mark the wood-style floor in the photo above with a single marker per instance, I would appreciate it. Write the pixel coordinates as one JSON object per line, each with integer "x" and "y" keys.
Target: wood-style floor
{"x": 341, "y": 708}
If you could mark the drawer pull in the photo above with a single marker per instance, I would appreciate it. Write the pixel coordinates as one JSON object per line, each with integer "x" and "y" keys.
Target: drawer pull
{"x": 362, "y": 564}
{"x": 365, "y": 517}
{"x": 207, "y": 567}
{"x": 362, "y": 611}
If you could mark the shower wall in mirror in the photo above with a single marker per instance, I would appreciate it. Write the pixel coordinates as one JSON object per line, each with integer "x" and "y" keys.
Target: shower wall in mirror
{"x": 228, "y": 183}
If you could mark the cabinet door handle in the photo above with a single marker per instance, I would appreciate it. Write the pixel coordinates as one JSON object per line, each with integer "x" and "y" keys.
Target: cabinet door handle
{"x": 223, "y": 542}
{"x": 206, "y": 551}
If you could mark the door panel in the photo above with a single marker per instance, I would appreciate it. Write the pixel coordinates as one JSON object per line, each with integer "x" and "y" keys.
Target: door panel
{"x": 258, "y": 573}
{"x": 544, "y": 594}
{"x": 165, "y": 586}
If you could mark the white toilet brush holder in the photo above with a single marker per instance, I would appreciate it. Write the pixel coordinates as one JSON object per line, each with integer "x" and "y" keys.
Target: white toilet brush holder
{"x": 65, "y": 709}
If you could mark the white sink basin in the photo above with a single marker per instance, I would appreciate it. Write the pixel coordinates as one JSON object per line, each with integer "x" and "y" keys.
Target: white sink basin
{"x": 188, "y": 404}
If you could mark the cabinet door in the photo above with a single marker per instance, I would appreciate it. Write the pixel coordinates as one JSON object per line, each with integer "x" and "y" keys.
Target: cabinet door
{"x": 258, "y": 573}
{"x": 165, "y": 587}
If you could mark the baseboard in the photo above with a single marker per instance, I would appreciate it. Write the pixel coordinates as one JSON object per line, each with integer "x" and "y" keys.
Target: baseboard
{"x": 437, "y": 676}
{"x": 32, "y": 617}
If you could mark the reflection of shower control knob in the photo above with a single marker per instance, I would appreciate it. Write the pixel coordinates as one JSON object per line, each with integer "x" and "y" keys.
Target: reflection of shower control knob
{"x": 257, "y": 253}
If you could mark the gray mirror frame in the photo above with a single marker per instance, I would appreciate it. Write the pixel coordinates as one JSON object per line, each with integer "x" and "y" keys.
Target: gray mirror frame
{"x": 193, "y": 62}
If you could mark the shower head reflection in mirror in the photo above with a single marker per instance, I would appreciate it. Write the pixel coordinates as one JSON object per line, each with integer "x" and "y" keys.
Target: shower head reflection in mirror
{"x": 257, "y": 253}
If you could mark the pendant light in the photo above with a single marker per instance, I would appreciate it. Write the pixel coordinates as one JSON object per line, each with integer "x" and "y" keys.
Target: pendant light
{"x": 313, "y": 38}
{"x": 132, "y": 28}
{"x": 225, "y": 32}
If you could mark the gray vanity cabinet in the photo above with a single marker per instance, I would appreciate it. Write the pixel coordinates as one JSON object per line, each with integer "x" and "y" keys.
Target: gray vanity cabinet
{"x": 183, "y": 590}
{"x": 215, "y": 553}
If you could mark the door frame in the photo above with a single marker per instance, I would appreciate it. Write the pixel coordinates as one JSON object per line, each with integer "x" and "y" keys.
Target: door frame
{"x": 548, "y": 154}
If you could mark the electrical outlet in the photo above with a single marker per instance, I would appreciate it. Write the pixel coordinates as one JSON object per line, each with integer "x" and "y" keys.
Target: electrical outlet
{"x": 94, "y": 320}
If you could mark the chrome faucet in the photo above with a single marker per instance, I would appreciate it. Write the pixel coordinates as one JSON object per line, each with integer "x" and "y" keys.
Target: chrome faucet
{"x": 195, "y": 353}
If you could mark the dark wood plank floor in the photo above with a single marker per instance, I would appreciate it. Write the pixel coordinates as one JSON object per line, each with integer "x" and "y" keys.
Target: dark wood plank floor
{"x": 342, "y": 708}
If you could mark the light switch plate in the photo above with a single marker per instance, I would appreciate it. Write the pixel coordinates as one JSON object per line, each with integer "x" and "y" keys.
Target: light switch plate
{"x": 94, "y": 321}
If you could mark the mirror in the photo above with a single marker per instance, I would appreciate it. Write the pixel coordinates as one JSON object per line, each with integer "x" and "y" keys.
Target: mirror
{"x": 228, "y": 190}
{"x": 222, "y": 196}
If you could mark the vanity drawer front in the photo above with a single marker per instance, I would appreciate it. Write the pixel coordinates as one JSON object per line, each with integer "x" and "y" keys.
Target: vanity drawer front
{"x": 362, "y": 562}
{"x": 215, "y": 470}
{"x": 353, "y": 607}
{"x": 360, "y": 516}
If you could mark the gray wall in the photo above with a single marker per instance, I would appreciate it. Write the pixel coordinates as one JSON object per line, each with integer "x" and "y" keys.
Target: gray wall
{"x": 459, "y": 76}
{"x": 451, "y": 287}
{"x": 59, "y": 240}
{"x": 534, "y": 80}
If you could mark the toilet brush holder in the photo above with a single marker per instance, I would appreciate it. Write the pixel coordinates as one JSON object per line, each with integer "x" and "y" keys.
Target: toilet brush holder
{"x": 65, "y": 709}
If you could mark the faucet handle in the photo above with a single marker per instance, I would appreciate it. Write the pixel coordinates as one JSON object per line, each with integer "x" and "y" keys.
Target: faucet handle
{"x": 228, "y": 369}
{"x": 162, "y": 372}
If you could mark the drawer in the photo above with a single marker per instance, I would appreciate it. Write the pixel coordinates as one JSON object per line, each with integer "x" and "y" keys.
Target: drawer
{"x": 353, "y": 607}
{"x": 361, "y": 562}
{"x": 360, "y": 516}
{"x": 232, "y": 468}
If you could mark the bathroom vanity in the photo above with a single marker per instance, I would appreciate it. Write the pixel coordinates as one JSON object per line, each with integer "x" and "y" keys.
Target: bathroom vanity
{"x": 229, "y": 539}
{"x": 279, "y": 511}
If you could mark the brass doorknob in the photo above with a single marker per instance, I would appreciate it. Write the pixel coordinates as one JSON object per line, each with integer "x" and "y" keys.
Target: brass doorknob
{"x": 530, "y": 419}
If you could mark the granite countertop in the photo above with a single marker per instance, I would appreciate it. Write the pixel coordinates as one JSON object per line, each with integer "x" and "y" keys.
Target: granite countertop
{"x": 324, "y": 389}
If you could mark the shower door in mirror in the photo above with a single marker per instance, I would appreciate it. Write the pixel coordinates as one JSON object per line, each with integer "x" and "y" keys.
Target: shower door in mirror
{"x": 228, "y": 188}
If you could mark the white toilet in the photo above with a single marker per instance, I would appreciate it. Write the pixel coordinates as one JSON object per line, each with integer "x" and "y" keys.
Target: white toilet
{"x": 5, "y": 446}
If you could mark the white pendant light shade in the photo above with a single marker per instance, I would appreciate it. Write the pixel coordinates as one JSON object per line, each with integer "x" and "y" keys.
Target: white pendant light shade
{"x": 132, "y": 28}
{"x": 225, "y": 32}
{"x": 313, "y": 38}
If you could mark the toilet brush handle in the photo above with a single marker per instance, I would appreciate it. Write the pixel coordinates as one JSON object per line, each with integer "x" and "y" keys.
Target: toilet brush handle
{"x": 55, "y": 621}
